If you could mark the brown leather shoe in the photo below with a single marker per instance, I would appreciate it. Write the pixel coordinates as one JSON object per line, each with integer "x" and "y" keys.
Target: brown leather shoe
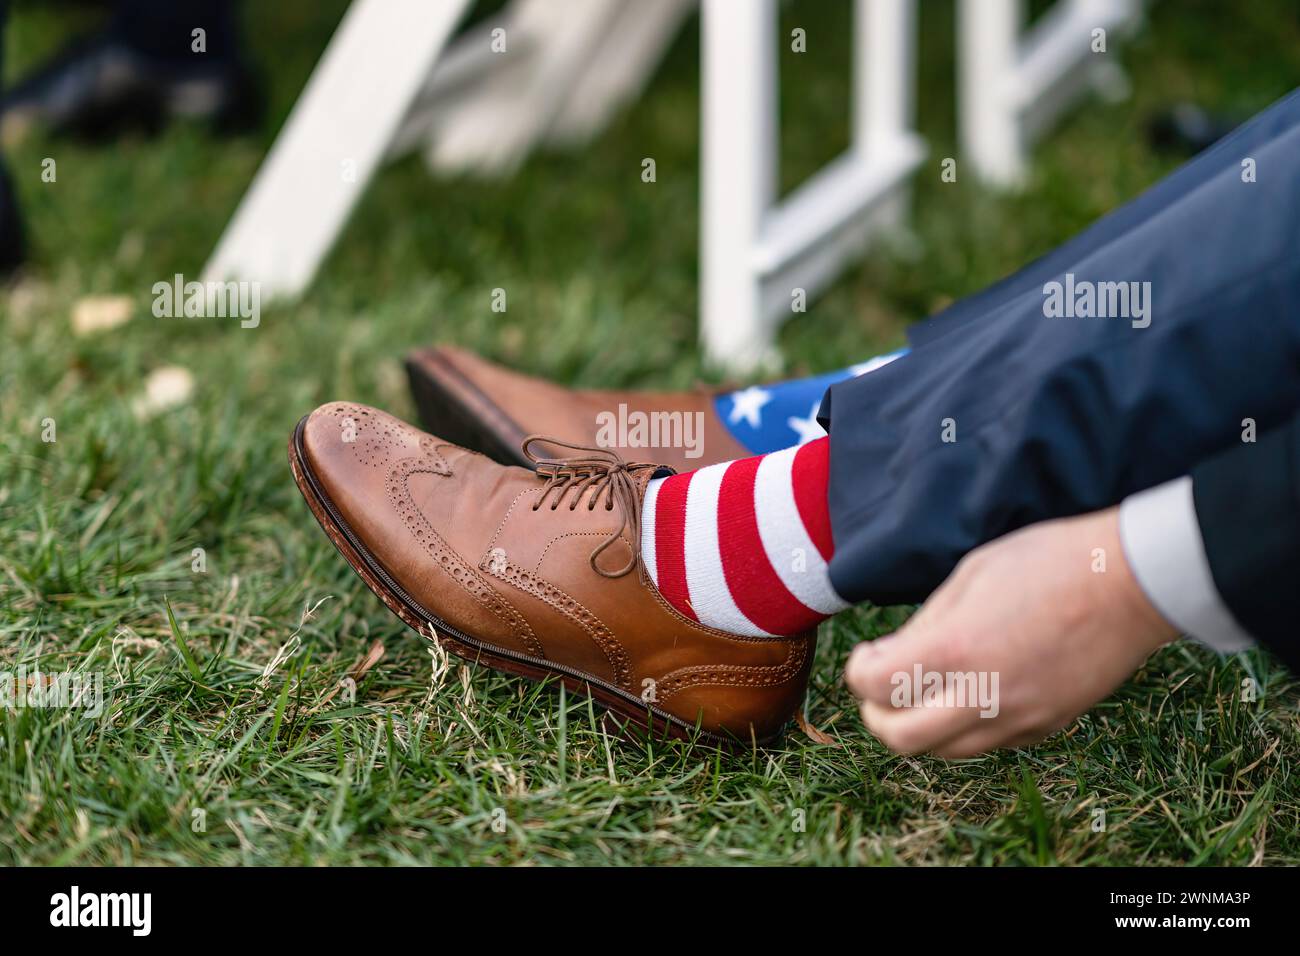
{"x": 480, "y": 405}
{"x": 536, "y": 573}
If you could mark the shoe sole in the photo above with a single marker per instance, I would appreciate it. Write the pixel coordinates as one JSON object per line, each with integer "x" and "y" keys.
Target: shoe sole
{"x": 451, "y": 406}
{"x": 633, "y": 716}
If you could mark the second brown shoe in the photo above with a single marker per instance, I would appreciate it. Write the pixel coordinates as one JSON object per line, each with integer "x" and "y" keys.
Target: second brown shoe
{"x": 537, "y": 573}
{"x": 481, "y": 405}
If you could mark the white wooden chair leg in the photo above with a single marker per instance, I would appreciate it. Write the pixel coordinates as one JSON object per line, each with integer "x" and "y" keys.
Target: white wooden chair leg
{"x": 988, "y": 34}
{"x": 738, "y": 140}
{"x": 334, "y": 139}
{"x": 884, "y": 90}
{"x": 514, "y": 110}
{"x": 457, "y": 79}
{"x": 757, "y": 255}
{"x": 1012, "y": 87}
{"x": 619, "y": 67}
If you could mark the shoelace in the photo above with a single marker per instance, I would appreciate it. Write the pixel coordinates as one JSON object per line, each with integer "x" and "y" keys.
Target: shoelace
{"x": 602, "y": 470}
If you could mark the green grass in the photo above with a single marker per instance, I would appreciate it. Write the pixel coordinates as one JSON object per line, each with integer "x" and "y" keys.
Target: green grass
{"x": 220, "y": 682}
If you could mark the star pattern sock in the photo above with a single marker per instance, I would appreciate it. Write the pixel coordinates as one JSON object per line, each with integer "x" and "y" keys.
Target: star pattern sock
{"x": 766, "y": 418}
{"x": 744, "y": 546}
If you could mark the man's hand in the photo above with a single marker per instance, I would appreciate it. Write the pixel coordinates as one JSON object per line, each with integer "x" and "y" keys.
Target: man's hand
{"x": 1033, "y": 608}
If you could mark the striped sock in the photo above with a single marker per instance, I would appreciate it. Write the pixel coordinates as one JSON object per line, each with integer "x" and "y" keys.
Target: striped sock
{"x": 743, "y": 546}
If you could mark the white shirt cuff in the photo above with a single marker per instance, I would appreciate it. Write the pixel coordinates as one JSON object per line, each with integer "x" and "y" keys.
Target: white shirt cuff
{"x": 1162, "y": 542}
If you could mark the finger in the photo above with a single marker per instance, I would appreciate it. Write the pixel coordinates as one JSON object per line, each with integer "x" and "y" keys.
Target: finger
{"x": 912, "y": 730}
{"x": 876, "y": 668}
{"x": 856, "y": 667}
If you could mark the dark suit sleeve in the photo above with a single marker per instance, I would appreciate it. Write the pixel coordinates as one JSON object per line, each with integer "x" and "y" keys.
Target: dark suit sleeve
{"x": 1248, "y": 506}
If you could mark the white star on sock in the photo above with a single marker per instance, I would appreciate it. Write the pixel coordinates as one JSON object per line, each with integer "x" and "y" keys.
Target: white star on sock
{"x": 808, "y": 429}
{"x": 748, "y": 404}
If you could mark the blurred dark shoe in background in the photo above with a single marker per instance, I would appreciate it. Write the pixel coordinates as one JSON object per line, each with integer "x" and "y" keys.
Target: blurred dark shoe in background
{"x": 486, "y": 407}
{"x": 11, "y": 226}
{"x": 102, "y": 86}
{"x": 1188, "y": 129}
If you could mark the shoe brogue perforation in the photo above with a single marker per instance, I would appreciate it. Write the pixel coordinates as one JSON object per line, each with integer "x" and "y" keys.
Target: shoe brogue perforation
{"x": 614, "y": 651}
{"x": 399, "y": 494}
{"x": 738, "y": 675}
{"x": 371, "y": 441}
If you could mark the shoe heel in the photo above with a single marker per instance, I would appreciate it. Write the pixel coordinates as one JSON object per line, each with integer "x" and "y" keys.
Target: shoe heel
{"x": 443, "y": 412}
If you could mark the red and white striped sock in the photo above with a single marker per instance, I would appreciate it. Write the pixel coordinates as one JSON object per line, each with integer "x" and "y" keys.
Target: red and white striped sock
{"x": 744, "y": 546}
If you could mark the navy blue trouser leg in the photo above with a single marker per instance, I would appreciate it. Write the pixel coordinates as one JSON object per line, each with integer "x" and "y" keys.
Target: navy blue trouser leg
{"x": 1262, "y": 128}
{"x": 1002, "y": 416}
